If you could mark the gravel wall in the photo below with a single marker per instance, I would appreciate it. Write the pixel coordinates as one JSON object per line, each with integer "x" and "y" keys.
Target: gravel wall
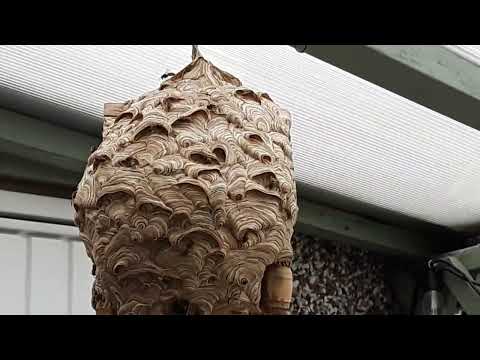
{"x": 331, "y": 278}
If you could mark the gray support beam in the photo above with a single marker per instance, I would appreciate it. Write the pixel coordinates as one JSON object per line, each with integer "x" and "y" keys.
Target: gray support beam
{"x": 44, "y": 110}
{"x": 41, "y": 157}
{"x": 372, "y": 212}
{"x": 437, "y": 62}
{"x": 329, "y": 223}
{"x": 43, "y": 143}
{"x": 23, "y": 175}
{"x": 432, "y": 76}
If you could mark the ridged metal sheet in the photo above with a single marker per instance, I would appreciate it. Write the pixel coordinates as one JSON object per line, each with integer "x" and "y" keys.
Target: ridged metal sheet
{"x": 43, "y": 269}
{"x": 468, "y": 52}
{"x": 349, "y": 136}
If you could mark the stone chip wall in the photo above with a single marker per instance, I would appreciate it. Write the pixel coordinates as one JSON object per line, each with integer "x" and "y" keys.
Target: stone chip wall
{"x": 331, "y": 278}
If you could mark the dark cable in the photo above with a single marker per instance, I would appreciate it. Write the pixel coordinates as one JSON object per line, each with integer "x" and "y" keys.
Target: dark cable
{"x": 450, "y": 268}
{"x": 473, "y": 285}
{"x": 454, "y": 271}
{"x": 459, "y": 273}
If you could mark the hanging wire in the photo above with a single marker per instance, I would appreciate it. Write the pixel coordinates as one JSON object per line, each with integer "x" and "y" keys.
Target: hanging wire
{"x": 195, "y": 52}
{"x": 448, "y": 267}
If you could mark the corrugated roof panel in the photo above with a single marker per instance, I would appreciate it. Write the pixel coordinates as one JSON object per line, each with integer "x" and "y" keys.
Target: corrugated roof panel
{"x": 468, "y": 52}
{"x": 349, "y": 136}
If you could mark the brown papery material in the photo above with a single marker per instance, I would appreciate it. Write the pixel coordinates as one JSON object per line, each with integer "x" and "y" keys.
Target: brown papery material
{"x": 188, "y": 204}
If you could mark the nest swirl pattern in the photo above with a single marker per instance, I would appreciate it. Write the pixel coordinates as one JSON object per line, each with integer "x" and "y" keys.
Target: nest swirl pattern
{"x": 189, "y": 202}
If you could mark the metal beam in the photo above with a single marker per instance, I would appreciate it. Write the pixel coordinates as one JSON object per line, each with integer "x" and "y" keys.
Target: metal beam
{"x": 43, "y": 143}
{"x": 370, "y": 211}
{"x": 329, "y": 223}
{"x": 438, "y": 62}
{"x": 432, "y": 76}
{"x": 15, "y": 170}
{"x": 47, "y": 111}
{"x": 41, "y": 157}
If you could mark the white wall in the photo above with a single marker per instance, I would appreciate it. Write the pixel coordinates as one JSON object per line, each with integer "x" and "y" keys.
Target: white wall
{"x": 43, "y": 269}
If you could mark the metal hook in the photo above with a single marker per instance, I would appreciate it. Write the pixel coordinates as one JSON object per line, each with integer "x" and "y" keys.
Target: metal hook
{"x": 300, "y": 49}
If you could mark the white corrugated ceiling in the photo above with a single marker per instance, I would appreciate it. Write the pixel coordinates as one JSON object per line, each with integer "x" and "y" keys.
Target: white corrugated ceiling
{"x": 469, "y": 52}
{"x": 349, "y": 136}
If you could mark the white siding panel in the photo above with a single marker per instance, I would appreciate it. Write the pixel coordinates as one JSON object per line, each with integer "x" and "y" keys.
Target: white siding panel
{"x": 12, "y": 274}
{"x": 49, "y": 287}
{"x": 82, "y": 281}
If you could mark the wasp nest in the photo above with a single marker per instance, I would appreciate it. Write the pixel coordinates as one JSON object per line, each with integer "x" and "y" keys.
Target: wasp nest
{"x": 188, "y": 204}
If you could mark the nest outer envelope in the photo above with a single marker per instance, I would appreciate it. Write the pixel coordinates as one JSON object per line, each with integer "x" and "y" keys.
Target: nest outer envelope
{"x": 188, "y": 204}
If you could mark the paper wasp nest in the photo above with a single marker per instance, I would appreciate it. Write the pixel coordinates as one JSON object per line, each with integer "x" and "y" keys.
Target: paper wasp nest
{"x": 188, "y": 204}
